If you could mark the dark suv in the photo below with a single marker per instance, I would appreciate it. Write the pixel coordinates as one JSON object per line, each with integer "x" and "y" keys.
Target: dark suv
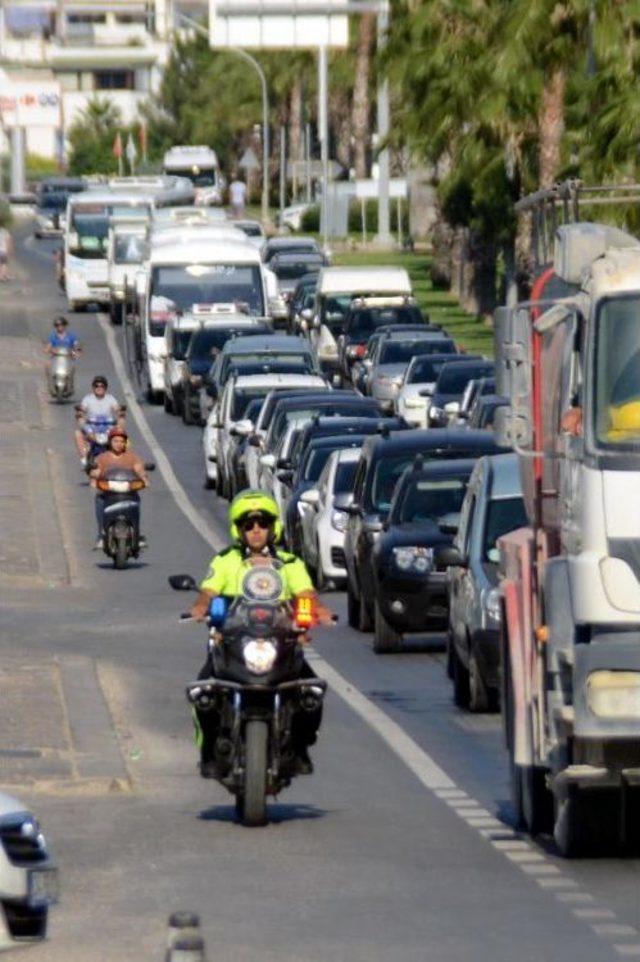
{"x": 382, "y": 462}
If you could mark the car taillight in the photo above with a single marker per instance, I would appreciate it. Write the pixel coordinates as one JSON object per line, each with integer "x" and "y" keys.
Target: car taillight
{"x": 304, "y": 613}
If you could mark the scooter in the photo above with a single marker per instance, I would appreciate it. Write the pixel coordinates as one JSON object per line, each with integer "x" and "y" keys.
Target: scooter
{"x": 120, "y": 489}
{"x": 60, "y": 373}
{"x": 258, "y": 686}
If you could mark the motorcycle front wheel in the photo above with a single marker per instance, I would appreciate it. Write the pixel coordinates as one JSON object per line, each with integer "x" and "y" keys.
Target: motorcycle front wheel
{"x": 253, "y": 804}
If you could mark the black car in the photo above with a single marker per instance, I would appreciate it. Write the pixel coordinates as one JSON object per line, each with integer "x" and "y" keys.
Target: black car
{"x": 306, "y": 476}
{"x": 204, "y": 345}
{"x": 328, "y": 426}
{"x": 410, "y": 590}
{"x": 331, "y": 404}
{"x": 382, "y": 463}
{"x": 290, "y": 245}
{"x": 451, "y": 384}
{"x": 362, "y": 321}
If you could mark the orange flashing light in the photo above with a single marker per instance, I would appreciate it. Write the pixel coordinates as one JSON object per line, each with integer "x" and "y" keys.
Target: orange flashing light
{"x": 542, "y": 634}
{"x": 304, "y": 612}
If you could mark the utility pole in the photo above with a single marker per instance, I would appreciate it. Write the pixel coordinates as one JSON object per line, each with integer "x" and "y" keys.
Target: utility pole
{"x": 383, "y": 238}
{"x": 323, "y": 133}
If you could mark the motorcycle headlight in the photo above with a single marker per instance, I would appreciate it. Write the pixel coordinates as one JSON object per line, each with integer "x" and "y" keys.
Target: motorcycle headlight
{"x": 339, "y": 520}
{"x": 492, "y": 605}
{"x": 414, "y": 558}
{"x": 259, "y": 656}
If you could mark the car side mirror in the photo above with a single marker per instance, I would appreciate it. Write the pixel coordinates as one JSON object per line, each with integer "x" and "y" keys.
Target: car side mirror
{"x": 268, "y": 460}
{"x": 311, "y": 497}
{"x": 242, "y": 429}
{"x": 343, "y": 501}
{"x": 448, "y": 556}
{"x": 453, "y": 407}
{"x": 182, "y": 583}
{"x": 284, "y": 474}
{"x": 353, "y": 509}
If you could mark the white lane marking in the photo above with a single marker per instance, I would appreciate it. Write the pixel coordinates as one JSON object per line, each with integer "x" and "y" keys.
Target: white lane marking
{"x": 419, "y": 762}
{"x": 596, "y": 913}
{"x": 199, "y": 522}
{"x": 629, "y": 951}
{"x": 614, "y": 929}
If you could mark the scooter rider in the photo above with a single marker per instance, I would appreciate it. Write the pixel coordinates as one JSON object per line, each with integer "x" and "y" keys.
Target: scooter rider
{"x": 61, "y": 337}
{"x": 98, "y": 404}
{"x": 256, "y": 528}
{"x": 117, "y": 456}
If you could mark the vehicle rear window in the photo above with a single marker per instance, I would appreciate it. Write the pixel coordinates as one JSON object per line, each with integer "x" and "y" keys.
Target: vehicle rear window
{"x": 454, "y": 377}
{"x": 285, "y": 416}
{"x": 425, "y": 371}
{"x": 398, "y": 352}
{"x": 430, "y": 500}
{"x": 291, "y": 271}
{"x": 503, "y": 515}
{"x": 365, "y": 321}
{"x": 212, "y": 340}
{"x": 387, "y": 471}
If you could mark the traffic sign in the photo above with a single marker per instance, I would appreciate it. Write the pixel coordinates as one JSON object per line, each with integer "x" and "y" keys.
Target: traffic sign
{"x": 273, "y": 24}
{"x": 249, "y": 161}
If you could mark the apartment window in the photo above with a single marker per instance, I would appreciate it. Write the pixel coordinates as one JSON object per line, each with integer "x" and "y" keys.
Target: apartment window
{"x": 114, "y": 80}
{"x": 131, "y": 18}
{"x": 86, "y": 18}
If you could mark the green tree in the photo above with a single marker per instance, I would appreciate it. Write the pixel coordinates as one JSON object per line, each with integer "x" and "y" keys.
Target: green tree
{"x": 91, "y": 138}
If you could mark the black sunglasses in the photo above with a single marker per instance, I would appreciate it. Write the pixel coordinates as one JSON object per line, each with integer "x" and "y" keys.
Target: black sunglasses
{"x": 263, "y": 522}
{"x": 59, "y": 326}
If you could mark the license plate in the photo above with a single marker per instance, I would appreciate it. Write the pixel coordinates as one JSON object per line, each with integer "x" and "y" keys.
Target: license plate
{"x": 43, "y": 887}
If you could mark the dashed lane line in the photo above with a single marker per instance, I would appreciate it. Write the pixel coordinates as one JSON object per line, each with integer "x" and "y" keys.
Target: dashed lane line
{"x": 520, "y": 853}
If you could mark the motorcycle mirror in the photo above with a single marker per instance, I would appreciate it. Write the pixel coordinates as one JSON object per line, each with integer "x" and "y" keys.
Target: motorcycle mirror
{"x": 182, "y": 583}
{"x": 149, "y": 465}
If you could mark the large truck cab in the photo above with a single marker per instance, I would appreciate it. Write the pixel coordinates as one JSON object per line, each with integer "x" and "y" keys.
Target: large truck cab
{"x": 571, "y": 580}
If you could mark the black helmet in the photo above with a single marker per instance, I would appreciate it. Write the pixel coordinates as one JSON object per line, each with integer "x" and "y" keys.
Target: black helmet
{"x": 100, "y": 379}
{"x": 60, "y": 320}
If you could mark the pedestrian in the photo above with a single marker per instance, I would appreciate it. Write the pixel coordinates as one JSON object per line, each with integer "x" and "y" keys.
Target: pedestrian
{"x": 237, "y": 196}
{"x": 6, "y": 249}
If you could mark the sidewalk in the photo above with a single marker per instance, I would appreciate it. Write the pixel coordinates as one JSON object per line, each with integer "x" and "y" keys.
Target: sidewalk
{"x": 32, "y": 550}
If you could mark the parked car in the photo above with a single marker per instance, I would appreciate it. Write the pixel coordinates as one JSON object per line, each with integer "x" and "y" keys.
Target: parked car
{"x": 28, "y": 876}
{"x": 493, "y": 506}
{"x": 418, "y": 383}
{"x": 323, "y": 527}
{"x": 450, "y": 386}
{"x": 366, "y": 315}
{"x": 382, "y": 462}
{"x": 410, "y": 587}
{"x": 205, "y": 344}
{"x": 390, "y": 359}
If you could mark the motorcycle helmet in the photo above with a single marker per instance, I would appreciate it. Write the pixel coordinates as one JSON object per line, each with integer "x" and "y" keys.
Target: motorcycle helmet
{"x": 624, "y": 421}
{"x": 117, "y": 432}
{"x": 249, "y": 501}
{"x": 100, "y": 379}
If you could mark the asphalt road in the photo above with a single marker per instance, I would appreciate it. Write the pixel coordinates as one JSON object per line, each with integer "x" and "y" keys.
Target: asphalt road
{"x": 398, "y": 849}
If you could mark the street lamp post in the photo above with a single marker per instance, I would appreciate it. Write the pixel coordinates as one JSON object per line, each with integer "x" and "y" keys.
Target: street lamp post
{"x": 198, "y": 28}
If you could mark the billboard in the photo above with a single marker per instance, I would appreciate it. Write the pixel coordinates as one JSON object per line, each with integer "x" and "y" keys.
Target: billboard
{"x": 273, "y": 24}
{"x": 30, "y": 103}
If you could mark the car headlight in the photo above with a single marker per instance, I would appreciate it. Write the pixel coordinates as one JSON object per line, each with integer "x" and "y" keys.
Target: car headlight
{"x": 492, "y": 605}
{"x": 414, "y": 558}
{"x": 614, "y": 694}
{"x": 339, "y": 520}
{"x": 259, "y": 656}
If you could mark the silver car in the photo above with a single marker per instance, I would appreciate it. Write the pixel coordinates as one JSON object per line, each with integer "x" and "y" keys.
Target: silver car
{"x": 492, "y": 507}
{"x": 391, "y": 356}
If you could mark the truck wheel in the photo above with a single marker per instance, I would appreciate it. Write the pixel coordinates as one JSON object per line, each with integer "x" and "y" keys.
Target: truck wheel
{"x": 353, "y": 608}
{"x": 255, "y": 774}
{"x": 385, "y": 638}
{"x": 586, "y": 823}
{"x": 461, "y": 692}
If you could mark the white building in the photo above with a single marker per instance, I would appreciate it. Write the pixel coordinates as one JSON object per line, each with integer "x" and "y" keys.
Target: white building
{"x": 113, "y": 49}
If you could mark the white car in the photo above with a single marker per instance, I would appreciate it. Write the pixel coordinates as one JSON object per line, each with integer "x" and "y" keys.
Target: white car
{"x": 323, "y": 527}
{"x": 28, "y": 876}
{"x": 412, "y": 401}
{"x": 255, "y": 447}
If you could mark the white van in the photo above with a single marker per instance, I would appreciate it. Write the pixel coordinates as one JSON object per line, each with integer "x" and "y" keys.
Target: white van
{"x": 127, "y": 249}
{"x": 89, "y": 213}
{"x": 200, "y": 165}
{"x": 193, "y": 275}
{"x": 337, "y": 287}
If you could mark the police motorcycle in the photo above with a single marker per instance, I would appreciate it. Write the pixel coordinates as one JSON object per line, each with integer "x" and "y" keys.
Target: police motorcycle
{"x": 255, "y": 648}
{"x": 120, "y": 489}
{"x": 60, "y": 373}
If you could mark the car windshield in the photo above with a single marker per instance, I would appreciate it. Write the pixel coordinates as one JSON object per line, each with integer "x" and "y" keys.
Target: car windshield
{"x": 242, "y": 397}
{"x": 344, "y": 477}
{"x": 285, "y": 417}
{"x": 424, "y": 371}
{"x": 388, "y": 469}
{"x": 362, "y": 322}
{"x": 399, "y": 352}
{"x": 314, "y": 463}
{"x": 129, "y": 249}
{"x": 203, "y": 178}
{"x": 53, "y": 201}
{"x": 291, "y": 271}
{"x": 333, "y": 310}
{"x": 185, "y": 285}
{"x": 181, "y": 341}
{"x": 617, "y": 374}
{"x": 454, "y": 377}
{"x": 290, "y": 249}
{"x": 503, "y": 515}
{"x": 429, "y": 499}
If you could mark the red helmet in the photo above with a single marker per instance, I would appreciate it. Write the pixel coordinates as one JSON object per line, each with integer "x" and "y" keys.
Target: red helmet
{"x": 118, "y": 432}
